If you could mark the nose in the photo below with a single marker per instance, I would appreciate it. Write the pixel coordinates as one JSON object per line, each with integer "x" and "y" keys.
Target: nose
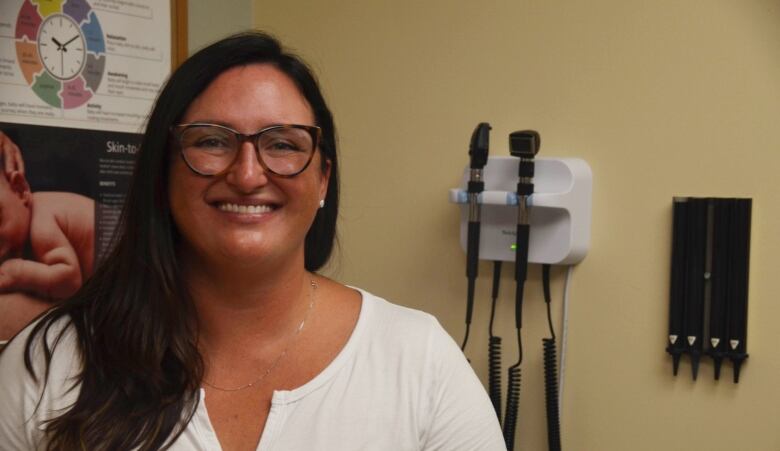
{"x": 246, "y": 174}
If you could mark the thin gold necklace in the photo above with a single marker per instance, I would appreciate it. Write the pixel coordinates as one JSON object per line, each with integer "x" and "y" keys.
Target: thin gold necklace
{"x": 281, "y": 355}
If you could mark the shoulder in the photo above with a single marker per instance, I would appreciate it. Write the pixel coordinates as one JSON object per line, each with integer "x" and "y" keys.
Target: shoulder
{"x": 452, "y": 407}
{"x": 392, "y": 312}
{"x": 371, "y": 321}
{"x": 409, "y": 338}
{"x": 29, "y": 398}
{"x": 58, "y": 334}
{"x": 400, "y": 325}
{"x": 57, "y": 216}
{"x": 52, "y": 200}
{"x": 57, "y": 339}
{"x": 59, "y": 206}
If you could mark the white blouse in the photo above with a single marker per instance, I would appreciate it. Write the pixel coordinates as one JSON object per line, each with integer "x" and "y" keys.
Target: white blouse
{"x": 400, "y": 383}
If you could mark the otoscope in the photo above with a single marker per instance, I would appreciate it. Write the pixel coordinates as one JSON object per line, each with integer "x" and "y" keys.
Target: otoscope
{"x": 525, "y": 145}
{"x": 478, "y": 155}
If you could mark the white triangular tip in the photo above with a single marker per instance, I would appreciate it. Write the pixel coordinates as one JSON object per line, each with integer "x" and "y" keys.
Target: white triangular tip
{"x": 734, "y": 343}
{"x": 672, "y": 339}
{"x": 715, "y": 342}
{"x": 691, "y": 340}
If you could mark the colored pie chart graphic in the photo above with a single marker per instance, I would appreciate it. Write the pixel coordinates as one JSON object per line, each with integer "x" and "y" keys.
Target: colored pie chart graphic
{"x": 60, "y": 50}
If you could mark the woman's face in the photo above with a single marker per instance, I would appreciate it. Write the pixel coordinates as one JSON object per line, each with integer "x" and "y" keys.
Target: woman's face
{"x": 246, "y": 214}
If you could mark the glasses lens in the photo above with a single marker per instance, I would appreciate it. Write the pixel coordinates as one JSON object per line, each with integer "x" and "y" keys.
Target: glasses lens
{"x": 208, "y": 150}
{"x": 211, "y": 149}
{"x": 286, "y": 150}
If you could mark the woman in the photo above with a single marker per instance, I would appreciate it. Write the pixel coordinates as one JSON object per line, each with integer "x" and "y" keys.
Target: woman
{"x": 207, "y": 327}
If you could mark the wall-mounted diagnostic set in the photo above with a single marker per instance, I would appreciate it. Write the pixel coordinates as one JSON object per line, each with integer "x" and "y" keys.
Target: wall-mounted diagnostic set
{"x": 524, "y": 210}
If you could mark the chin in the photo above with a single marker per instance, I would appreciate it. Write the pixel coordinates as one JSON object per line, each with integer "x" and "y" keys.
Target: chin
{"x": 260, "y": 250}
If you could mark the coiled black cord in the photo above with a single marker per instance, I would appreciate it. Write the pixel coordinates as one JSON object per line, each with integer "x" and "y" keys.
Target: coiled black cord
{"x": 494, "y": 374}
{"x": 551, "y": 394}
{"x": 494, "y": 348}
{"x": 550, "y": 373}
{"x": 513, "y": 400}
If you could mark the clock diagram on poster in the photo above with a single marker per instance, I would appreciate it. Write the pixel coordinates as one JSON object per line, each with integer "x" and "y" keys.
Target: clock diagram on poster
{"x": 60, "y": 50}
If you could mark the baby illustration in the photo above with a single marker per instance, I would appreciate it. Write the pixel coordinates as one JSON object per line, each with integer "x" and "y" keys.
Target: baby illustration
{"x": 46, "y": 247}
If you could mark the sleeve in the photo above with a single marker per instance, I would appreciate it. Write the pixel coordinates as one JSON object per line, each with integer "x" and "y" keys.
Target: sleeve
{"x": 462, "y": 417}
{"x": 19, "y": 395}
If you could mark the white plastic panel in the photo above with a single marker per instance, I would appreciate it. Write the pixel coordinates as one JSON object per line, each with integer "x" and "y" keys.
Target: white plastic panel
{"x": 560, "y": 212}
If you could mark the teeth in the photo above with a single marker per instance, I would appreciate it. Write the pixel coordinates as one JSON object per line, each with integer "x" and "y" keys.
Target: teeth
{"x": 245, "y": 209}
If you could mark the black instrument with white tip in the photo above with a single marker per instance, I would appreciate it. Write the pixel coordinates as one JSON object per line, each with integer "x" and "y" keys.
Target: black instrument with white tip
{"x": 524, "y": 145}
{"x": 478, "y": 156}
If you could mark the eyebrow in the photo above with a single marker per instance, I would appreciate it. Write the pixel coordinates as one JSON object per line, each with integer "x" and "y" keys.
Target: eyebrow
{"x": 210, "y": 122}
{"x": 231, "y": 127}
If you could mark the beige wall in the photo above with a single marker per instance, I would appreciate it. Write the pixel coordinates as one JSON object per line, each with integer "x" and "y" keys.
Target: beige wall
{"x": 210, "y": 20}
{"x": 662, "y": 98}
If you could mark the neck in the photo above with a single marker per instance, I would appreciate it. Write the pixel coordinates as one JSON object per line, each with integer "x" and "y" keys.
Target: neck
{"x": 237, "y": 308}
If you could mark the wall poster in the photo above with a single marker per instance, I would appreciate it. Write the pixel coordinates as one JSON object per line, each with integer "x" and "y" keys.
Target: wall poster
{"x": 77, "y": 81}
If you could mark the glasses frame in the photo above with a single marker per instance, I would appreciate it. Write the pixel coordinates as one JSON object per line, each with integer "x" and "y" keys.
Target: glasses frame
{"x": 315, "y": 132}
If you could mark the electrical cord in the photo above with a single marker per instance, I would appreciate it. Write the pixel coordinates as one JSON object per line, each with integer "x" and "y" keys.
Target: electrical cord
{"x": 473, "y": 244}
{"x": 494, "y": 348}
{"x": 514, "y": 377}
{"x": 465, "y": 337}
{"x": 550, "y": 372}
{"x": 564, "y": 333}
{"x": 513, "y": 398}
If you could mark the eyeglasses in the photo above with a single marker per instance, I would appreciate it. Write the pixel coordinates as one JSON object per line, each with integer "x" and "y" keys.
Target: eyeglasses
{"x": 210, "y": 149}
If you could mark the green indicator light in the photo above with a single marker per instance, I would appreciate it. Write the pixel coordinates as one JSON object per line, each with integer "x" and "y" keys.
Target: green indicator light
{"x": 513, "y": 247}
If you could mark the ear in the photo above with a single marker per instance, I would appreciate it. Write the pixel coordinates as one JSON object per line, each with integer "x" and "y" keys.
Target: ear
{"x": 20, "y": 187}
{"x": 325, "y": 179}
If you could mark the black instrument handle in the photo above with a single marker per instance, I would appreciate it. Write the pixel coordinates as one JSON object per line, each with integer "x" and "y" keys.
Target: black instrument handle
{"x": 521, "y": 270}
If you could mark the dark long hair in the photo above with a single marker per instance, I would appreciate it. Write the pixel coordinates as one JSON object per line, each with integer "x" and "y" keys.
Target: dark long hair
{"x": 135, "y": 322}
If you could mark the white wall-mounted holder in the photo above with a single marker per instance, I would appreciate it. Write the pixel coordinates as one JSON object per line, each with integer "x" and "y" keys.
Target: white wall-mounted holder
{"x": 560, "y": 210}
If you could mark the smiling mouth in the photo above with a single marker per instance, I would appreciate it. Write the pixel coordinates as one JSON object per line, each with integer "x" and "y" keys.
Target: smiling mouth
{"x": 245, "y": 209}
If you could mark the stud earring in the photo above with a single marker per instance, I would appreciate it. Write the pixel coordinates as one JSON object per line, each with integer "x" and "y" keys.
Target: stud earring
{"x": 322, "y": 203}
